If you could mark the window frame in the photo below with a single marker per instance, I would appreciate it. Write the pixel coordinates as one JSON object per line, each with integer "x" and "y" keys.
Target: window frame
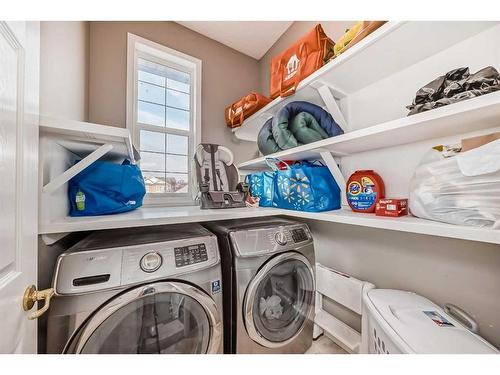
{"x": 138, "y": 47}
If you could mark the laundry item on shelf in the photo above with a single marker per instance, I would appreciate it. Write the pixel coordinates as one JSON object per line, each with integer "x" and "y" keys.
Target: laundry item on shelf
{"x": 237, "y": 112}
{"x": 218, "y": 178}
{"x": 355, "y": 34}
{"x": 295, "y": 124}
{"x": 105, "y": 188}
{"x": 392, "y": 207}
{"x": 303, "y": 58}
{"x": 458, "y": 187}
{"x": 455, "y": 86}
{"x": 364, "y": 189}
{"x": 305, "y": 186}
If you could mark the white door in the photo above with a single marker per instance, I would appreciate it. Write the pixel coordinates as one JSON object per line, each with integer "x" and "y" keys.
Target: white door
{"x": 19, "y": 81}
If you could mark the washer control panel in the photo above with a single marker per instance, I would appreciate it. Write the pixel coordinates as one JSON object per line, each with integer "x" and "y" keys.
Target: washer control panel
{"x": 187, "y": 255}
{"x": 151, "y": 262}
{"x": 161, "y": 260}
{"x": 266, "y": 240}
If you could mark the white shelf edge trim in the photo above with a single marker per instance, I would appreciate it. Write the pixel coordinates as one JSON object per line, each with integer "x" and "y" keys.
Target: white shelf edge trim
{"x": 67, "y": 175}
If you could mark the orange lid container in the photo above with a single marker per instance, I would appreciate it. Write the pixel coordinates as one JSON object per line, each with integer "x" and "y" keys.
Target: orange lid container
{"x": 364, "y": 189}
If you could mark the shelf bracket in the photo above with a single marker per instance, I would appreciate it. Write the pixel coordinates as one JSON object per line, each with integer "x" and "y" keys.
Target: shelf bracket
{"x": 336, "y": 173}
{"x": 332, "y": 106}
{"x": 64, "y": 177}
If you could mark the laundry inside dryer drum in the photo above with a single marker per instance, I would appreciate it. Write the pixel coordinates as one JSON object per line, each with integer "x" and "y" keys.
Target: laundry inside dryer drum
{"x": 160, "y": 323}
{"x": 282, "y": 301}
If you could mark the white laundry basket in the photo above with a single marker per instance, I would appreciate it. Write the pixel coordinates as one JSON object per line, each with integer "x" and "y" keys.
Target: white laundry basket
{"x": 395, "y": 321}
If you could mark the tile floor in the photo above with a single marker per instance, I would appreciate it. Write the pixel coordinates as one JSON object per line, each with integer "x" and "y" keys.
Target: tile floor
{"x": 323, "y": 345}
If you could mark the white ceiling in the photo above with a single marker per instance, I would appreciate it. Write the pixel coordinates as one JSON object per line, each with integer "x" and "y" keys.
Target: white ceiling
{"x": 253, "y": 38}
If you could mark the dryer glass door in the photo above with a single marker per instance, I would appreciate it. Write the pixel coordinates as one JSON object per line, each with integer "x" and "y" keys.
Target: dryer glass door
{"x": 155, "y": 318}
{"x": 279, "y": 300}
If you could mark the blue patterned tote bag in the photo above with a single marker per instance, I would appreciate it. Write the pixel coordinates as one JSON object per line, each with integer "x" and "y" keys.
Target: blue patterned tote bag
{"x": 306, "y": 186}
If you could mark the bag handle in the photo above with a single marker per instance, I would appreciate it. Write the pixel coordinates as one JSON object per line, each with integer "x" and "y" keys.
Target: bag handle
{"x": 244, "y": 101}
{"x": 291, "y": 90}
{"x": 233, "y": 118}
{"x": 273, "y": 165}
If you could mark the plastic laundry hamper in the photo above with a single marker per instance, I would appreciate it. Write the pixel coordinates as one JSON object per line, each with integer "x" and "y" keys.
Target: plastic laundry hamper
{"x": 395, "y": 321}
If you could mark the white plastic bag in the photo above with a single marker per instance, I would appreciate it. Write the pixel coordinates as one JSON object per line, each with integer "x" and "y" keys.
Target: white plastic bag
{"x": 463, "y": 189}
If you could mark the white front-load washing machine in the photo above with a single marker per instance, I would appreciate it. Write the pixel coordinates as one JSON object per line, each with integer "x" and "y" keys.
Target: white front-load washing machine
{"x": 138, "y": 290}
{"x": 268, "y": 270}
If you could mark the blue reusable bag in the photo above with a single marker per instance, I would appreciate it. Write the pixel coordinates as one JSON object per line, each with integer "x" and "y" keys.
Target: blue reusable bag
{"x": 306, "y": 187}
{"x": 261, "y": 186}
{"x": 105, "y": 188}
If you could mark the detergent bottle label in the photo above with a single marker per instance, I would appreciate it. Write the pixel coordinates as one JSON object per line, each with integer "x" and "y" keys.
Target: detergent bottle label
{"x": 80, "y": 200}
{"x": 361, "y": 195}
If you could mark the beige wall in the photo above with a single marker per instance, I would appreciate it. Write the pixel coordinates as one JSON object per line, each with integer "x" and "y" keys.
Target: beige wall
{"x": 334, "y": 29}
{"x": 227, "y": 75}
{"x": 64, "y": 57}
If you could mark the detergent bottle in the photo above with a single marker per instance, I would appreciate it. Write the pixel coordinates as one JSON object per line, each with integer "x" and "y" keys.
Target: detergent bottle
{"x": 364, "y": 189}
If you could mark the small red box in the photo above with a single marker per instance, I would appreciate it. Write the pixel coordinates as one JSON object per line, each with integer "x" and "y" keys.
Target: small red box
{"x": 392, "y": 207}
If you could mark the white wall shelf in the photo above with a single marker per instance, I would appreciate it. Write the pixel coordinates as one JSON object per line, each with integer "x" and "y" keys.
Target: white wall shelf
{"x": 146, "y": 216}
{"x": 82, "y": 138}
{"x": 67, "y": 147}
{"x": 391, "y": 48}
{"x": 410, "y": 224}
{"x": 467, "y": 116}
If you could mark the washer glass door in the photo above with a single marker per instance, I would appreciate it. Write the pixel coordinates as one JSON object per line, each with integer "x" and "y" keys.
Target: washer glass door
{"x": 279, "y": 300}
{"x": 156, "y": 318}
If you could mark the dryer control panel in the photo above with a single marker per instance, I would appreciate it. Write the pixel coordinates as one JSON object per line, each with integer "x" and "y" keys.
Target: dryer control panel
{"x": 266, "y": 240}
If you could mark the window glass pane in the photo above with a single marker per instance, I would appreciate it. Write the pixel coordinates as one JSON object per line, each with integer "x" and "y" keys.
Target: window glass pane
{"x": 177, "y": 144}
{"x": 151, "y": 93}
{"x": 152, "y": 141}
{"x": 151, "y": 114}
{"x": 176, "y": 163}
{"x": 154, "y": 181}
{"x": 177, "y": 99}
{"x": 177, "y": 75}
{"x": 152, "y": 161}
{"x": 177, "y": 183}
{"x": 151, "y": 78}
{"x": 179, "y": 86}
{"x": 177, "y": 119}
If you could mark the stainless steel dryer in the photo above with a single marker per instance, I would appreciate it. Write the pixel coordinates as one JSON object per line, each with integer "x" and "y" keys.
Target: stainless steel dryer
{"x": 138, "y": 290}
{"x": 268, "y": 278}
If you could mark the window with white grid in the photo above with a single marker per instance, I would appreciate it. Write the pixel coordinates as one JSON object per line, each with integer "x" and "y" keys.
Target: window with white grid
{"x": 163, "y": 118}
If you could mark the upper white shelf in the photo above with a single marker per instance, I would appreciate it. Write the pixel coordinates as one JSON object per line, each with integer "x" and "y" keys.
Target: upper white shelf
{"x": 83, "y": 138}
{"x": 146, "y": 216}
{"x": 467, "y": 116}
{"x": 391, "y": 48}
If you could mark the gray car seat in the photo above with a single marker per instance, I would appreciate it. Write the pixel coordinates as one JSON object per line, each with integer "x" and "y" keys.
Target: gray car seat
{"x": 218, "y": 178}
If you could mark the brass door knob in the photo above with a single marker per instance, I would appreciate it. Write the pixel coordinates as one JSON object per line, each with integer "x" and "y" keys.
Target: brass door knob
{"x": 32, "y": 295}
